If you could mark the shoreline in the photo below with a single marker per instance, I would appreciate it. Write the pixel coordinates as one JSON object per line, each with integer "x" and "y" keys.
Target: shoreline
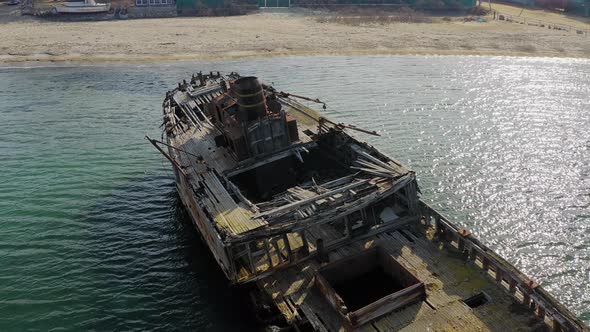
{"x": 114, "y": 58}
{"x": 270, "y": 34}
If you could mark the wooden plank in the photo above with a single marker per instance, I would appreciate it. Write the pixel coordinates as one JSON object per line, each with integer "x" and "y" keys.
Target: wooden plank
{"x": 312, "y": 318}
{"x": 387, "y": 304}
{"x": 309, "y": 200}
{"x": 334, "y": 299}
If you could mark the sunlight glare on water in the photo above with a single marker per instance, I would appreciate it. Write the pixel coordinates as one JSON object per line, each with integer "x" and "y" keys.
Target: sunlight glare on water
{"x": 93, "y": 236}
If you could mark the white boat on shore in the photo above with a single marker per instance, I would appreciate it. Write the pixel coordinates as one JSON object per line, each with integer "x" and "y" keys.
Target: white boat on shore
{"x": 81, "y": 7}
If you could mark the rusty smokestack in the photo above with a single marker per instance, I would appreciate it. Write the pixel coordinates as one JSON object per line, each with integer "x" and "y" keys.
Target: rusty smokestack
{"x": 251, "y": 100}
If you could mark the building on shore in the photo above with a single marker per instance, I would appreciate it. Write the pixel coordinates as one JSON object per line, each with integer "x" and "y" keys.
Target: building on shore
{"x": 144, "y": 8}
{"x": 445, "y": 5}
{"x": 577, "y": 7}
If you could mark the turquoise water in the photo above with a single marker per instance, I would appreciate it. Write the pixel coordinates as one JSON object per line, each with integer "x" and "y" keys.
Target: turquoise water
{"x": 92, "y": 235}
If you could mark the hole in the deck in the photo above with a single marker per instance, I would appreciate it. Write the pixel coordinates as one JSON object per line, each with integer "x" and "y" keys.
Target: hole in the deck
{"x": 366, "y": 278}
{"x": 316, "y": 166}
{"x": 376, "y": 284}
{"x": 477, "y": 300}
{"x": 308, "y": 132}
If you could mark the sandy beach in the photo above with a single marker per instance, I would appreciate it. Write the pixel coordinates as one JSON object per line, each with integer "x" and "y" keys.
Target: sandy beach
{"x": 292, "y": 32}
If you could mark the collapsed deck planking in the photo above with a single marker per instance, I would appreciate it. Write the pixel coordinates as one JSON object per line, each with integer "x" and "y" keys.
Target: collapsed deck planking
{"x": 327, "y": 230}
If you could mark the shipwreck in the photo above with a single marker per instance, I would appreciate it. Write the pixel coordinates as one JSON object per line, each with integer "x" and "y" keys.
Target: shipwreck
{"x": 328, "y": 232}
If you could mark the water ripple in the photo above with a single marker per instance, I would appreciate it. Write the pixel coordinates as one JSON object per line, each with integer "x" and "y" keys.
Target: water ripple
{"x": 93, "y": 235}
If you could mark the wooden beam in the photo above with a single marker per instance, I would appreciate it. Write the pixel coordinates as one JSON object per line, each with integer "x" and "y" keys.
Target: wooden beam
{"x": 347, "y": 226}
{"x": 268, "y": 255}
{"x": 526, "y": 298}
{"x": 309, "y": 200}
{"x": 376, "y": 173}
{"x": 288, "y": 247}
{"x": 387, "y": 304}
{"x": 278, "y": 250}
{"x": 175, "y": 148}
{"x": 400, "y": 223}
{"x": 295, "y": 106}
{"x": 251, "y": 259}
{"x": 461, "y": 244}
{"x": 297, "y": 225}
{"x": 375, "y": 160}
{"x": 512, "y": 285}
{"x": 498, "y": 275}
{"x": 249, "y": 164}
{"x": 330, "y": 294}
{"x": 319, "y": 245}
{"x": 485, "y": 263}
{"x": 174, "y": 162}
{"x": 238, "y": 193}
{"x": 305, "y": 243}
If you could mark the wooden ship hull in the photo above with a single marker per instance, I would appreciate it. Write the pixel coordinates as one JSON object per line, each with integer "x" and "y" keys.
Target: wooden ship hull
{"x": 328, "y": 232}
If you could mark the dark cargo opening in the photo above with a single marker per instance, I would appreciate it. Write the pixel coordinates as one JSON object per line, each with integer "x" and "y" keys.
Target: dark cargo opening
{"x": 263, "y": 182}
{"x": 377, "y": 282}
{"x": 477, "y": 300}
{"x": 365, "y": 278}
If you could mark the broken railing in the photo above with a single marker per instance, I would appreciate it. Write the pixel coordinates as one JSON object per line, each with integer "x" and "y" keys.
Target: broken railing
{"x": 523, "y": 289}
{"x": 301, "y": 227}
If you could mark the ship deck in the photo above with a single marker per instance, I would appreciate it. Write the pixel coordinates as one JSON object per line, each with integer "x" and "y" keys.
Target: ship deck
{"x": 449, "y": 279}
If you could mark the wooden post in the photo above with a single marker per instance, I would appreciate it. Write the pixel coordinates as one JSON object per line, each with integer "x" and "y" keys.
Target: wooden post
{"x": 461, "y": 244}
{"x": 288, "y": 247}
{"x": 556, "y": 325}
{"x": 498, "y": 275}
{"x": 438, "y": 225}
{"x": 364, "y": 216}
{"x": 485, "y": 263}
{"x": 320, "y": 250}
{"x": 472, "y": 254}
{"x": 267, "y": 249}
{"x": 540, "y": 311}
{"x": 275, "y": 244}
{"x": 412, "y": 197}
{"x": 250, "y": 259}
{"x": 462, "y": 234}
{"x": 526, "y": 298}
{"x": 512, "y": 286}
{"x": 305, "y": 247}
{"x": 232, "y": 262}
{"x": 347, "y": 226}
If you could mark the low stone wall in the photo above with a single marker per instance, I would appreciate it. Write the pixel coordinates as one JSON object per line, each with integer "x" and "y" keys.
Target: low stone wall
{"x": 152, "y": 11}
